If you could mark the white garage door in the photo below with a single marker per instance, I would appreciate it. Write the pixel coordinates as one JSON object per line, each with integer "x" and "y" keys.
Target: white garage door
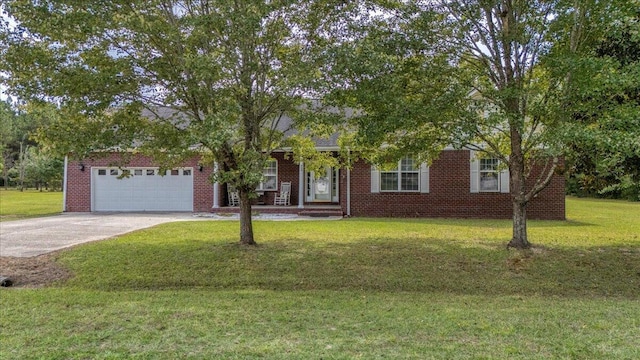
{"x": 142, "y": 189}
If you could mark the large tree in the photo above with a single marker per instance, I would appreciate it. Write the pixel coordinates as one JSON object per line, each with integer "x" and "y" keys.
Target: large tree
{"x": 212, "y": 76}
{"x": 499, "y": 77}
{"x": 604, "y": 150}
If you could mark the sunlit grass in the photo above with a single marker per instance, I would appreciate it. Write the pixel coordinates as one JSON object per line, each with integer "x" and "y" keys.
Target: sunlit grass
{"x": 358, "y": 288}
{"x": 16, "y": 204}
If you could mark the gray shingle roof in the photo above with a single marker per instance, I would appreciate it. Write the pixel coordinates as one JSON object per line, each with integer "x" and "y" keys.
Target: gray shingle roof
{"x": 285, "y": 124}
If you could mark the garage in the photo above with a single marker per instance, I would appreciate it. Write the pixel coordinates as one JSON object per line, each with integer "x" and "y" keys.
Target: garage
{"x": 141, "y": 189}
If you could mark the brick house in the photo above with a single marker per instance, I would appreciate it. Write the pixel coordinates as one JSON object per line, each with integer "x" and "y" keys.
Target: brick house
{"x": 457, "y": 184}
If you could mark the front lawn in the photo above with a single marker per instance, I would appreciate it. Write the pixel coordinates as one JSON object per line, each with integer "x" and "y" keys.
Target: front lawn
{"x": 16, "y": 204}
{"x": 359, "y": 288}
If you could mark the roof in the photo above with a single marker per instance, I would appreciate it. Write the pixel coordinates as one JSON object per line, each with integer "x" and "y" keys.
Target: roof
{"x": 285, "y": 123}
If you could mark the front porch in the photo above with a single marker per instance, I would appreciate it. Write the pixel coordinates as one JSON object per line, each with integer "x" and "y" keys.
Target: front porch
{"x": 313, "y": 210}
{"x": 306, "y": 193}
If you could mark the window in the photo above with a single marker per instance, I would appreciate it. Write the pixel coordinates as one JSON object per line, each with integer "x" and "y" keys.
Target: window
{"x": 269, "y": 176}
{"x": 175, "y": 172}
{"x": 137, "y": 172}
{"x": 151, "y": 172}
{"x": 405, "y": 177}
{"x": 114, "y": 172}
{"x": 186, "y": 172}
{"x": 489, "y": 175}
{"x": 102, "y": 172}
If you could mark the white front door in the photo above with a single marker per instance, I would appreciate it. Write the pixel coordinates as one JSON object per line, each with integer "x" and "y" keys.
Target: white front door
{"x": 322, "y": 187}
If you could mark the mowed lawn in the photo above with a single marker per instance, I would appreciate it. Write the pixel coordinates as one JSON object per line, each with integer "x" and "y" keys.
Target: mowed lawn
{"x": 16, "y": 204}
{"x": 350, "y": 289}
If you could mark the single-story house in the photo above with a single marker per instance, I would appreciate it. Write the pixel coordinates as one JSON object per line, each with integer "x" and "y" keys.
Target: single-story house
{"x": 457, "y": 184}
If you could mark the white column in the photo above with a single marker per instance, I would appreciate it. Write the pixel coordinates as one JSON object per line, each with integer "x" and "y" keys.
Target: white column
{"x": 216, "y": 189}
{"x": 301, "y": 185}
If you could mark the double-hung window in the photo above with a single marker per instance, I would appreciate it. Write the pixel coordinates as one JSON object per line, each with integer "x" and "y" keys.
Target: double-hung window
{"x": 269, "y": 176}
{"x": 489, "y": 175}
{"x": 404, "y": 177}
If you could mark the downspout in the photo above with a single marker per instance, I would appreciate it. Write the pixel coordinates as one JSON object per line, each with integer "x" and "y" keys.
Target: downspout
{"x": 64, "y": 184}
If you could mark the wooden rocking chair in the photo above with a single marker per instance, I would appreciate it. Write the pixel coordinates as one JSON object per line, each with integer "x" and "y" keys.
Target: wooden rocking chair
{"x": 234, "y": 197}
{"x": 283, "y": 198}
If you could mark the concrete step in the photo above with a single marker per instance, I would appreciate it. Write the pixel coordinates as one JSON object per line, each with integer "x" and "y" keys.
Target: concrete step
{"x": 321, "y": 213}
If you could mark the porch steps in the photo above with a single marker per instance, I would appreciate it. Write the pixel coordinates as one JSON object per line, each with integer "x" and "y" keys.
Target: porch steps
{"x": 309, "y": 210}
{"x": 321, "y": 213}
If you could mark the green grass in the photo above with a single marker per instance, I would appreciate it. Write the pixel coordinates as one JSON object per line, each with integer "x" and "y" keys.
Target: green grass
{"x": 29, "y": 203}
{"x": 359, "y": 288}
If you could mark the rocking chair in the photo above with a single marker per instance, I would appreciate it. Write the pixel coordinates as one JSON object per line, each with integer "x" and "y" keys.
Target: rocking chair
{"x": 283, "y": 198}
{"x": 234, "y": 197}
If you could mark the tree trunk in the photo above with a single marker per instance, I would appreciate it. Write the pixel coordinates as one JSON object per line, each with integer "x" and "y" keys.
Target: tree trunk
{"x": 518, "y": 191}
{"x": 519, "y": 239}
{"x": 246, "y": 227}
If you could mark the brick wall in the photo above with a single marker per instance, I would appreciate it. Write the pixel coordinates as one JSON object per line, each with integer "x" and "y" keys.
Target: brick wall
{"x": 449, "y": 195}
{"x": 79, "y": 182}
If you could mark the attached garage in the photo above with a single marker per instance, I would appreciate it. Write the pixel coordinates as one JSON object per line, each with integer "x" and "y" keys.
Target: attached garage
{"x": 141, "y": 189}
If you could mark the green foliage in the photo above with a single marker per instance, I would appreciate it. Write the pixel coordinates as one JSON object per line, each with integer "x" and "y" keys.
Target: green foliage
{"x": 43, "y": 170}
{"x": 169, "y": 78}
{"x": 407, "y": 96}
{"x": 360, "y": 288}
{"x": 502, "y": 78}
{"x": 604, "y": 144}
{"x": 28, "y": 163}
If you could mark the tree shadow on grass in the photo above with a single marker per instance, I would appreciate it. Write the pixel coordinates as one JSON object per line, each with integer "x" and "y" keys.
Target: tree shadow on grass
{"x": 385, "y": 265}
{"x": 474, "y": 223}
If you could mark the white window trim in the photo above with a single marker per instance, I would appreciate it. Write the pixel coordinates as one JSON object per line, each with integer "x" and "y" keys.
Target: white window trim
{"x": 495, "y": 171}
{"x": 475, "y": 173}
{"x": 423, "y": 179}
{"x": 261, "y": 185}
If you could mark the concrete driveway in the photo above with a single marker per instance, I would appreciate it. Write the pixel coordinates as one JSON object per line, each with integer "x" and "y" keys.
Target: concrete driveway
{"x": 32, "y": 237}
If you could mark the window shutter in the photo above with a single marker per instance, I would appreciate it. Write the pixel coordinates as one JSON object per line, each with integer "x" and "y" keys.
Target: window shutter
{"x": 504, "y": 181}
{"x": 375, "y": 179}
{"x": 474, "y": 173}
{"x": 424, "y": 178}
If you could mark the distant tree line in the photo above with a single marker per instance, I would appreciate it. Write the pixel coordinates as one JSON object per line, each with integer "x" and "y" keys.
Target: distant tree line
{"x": 25, "y": 162}
{"x": 610, "y": 168}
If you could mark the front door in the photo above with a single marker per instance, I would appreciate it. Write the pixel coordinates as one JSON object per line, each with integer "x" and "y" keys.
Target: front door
{"x": 322, "y": 187}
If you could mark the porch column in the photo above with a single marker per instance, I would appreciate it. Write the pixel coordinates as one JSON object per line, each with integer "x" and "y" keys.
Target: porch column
{"x": 216, "y": 189}
{"x": 301, "y": 185}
